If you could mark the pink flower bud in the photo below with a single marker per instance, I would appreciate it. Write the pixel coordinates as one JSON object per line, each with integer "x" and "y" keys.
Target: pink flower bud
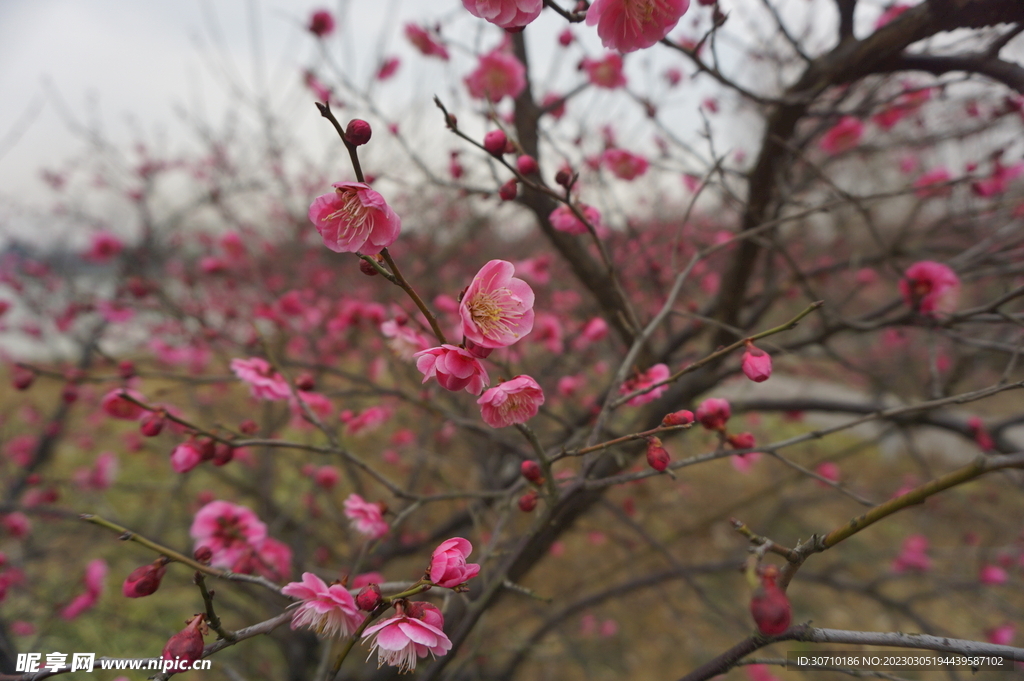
{"x": 207, "y": 448}
{"x": 126, "y": 369}
{"x": 992, "y": 574}
{"x": 187, "y": 644}
{"x": 770, "y": 606}
{"x": 144, "y": 580}
{"x": 448, "y": 566}
{"x": 531, "y": 471}
{"x": 494, "y": 142}
{"x": 326, "y": 476}
{"x": 248, "y": 427}
{"x": 368, "y": 598}
{"x": 152, "y": 423}
{"x": 203, "y": 554}
{"x": 678, "y": 418}
{"x": 527, "y": 165}
{"x": 528, "y": 501}
{"x": 367, "y": 269}
{"x": 185, "y": 457}
{"x": 23, "y": 378}
{"x": 657, "y": 457}
{"x": 508, "y": 191}
{"x": 358, "y": 132}
{"x": 757, "y": 364}
{"x": 305, "y": 381}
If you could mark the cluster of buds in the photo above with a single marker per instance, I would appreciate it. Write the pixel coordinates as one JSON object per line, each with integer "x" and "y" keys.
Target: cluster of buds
{"x": 530, "y": 470}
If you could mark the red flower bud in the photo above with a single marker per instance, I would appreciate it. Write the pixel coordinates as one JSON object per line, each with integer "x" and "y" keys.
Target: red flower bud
{"x": 70, "y": 393}
{"x": 152, "y": 423}
{"x": 144, "y": 580}
{"x": 223, "y": 453}
{"x": 369, "y": 597}
{"x": 305, "y": 381}
{"x": 531, "y": 471}
{"x": 248, "y": 427}
{"x": 494, "y": 142}
{"x": 770, "y": 606}
{"x": 564, "y": 177}
{"x": 187, "y": 644}
{"x": 126, "y": 369}
{"x": 527, "y": 165}
{"x": 528, "y": 502}
{"x": 508, "y": 191}
{"x": 204, "y": 554}
{"x": 23, "y": 378}
{"x": 678, "y": 418}
{"x": 367, "y": 269}
{"x": 358, "y": 132}
{"x": 657, "y": 457}
{"x": 741, "y": 440}
{"x": 207, "y": 448}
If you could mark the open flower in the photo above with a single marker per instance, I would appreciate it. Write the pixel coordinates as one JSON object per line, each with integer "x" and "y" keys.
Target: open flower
{"x": 400, "y": 640}
{"x": 228, "y": 530}
{"x": 843, "y": 136}
{"x": 448, "y": 567}
{"x": 327, "y": 610}
{"x": 497, "y": 308}
{"x": 930, "y": 287}
{"x": 497, "y": 74}
{"x": 656, "y": 374}
{"x": 366, "y": 517}
{"x": 564, "y": 220}
{"x": 514, "y": 401}
{"x": 453, "y": 367}
{"x": 606, "y": 73}
{"x": 264, "y": 382}
{"x": 629, "y": 25}
{"x": 355, "y": 218}
{"x": 505, "y": 13}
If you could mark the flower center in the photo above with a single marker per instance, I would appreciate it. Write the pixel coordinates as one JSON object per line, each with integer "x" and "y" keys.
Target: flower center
{"x": 640, "y": 11}
{"x": 489, "y": 315}
{"x": 352, "y": 214}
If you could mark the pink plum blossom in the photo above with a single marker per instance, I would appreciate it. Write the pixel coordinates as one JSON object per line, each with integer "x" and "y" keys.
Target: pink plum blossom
{"x": 912, "y": 556}
{"x": 992, "y": 574}
{"x": 355, "y": 218}
{"x": 514, "y": 401}
{"x": 425, "y": 43}
{"x": 563, "y": 219}
{"x": 330, "y": 611}
{"x": 229, "y": 530}
{"x": 629, "y": 25}
{"x": 454, "y": 368}
{"x": 929, "y": 287}
{"x": 505, "y": 13}
{"x": 94, "y": 581}
{"x": 497, "y": 308}
{"x": 843, "y": 136}
{"x": 498, "y": 74}
{"x": 593, "y": 331}
{"x": 264, "y": 382}
{"x": 1001, "y": 635}
{"x": 995, "y": 184}
{"x": 605, "y": 73}
{"x": 404, "y": 339}
{"x": 366, "y": 518}
{"x": 368, "y": 420}
{"x": 448, "y": 567}
{"x": 400, "y": 640}
{"x": 623, "y": 164}
{"x": 931, "y": 183}
{"x": 656, "y": 374}
{"x": 103, "y": 247}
